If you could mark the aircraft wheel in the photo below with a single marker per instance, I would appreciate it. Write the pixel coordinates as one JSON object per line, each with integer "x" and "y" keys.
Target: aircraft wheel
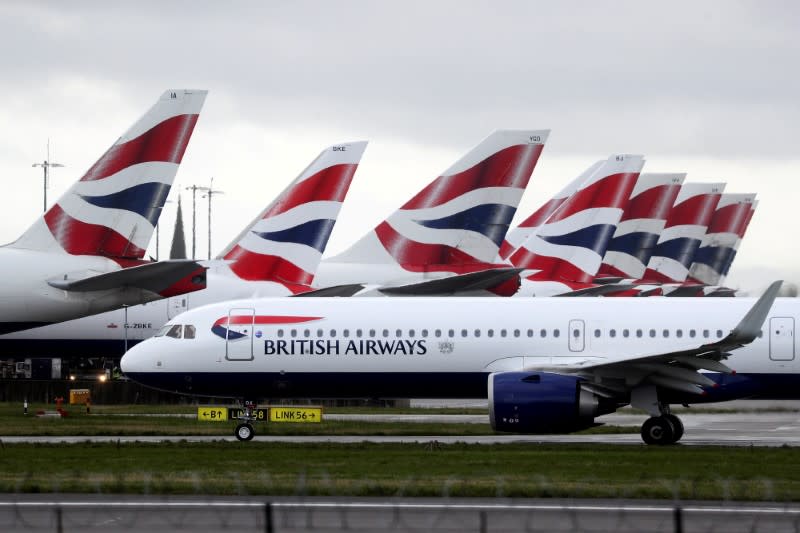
{"x": 658, "y": 430}
{"x": 677, "y": 426}
{"x": 244, "y": 432}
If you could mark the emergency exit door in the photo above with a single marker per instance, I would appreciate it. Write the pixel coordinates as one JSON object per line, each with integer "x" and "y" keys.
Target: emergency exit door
{"x": 781, "y": 338}
{"x": 239, "y": 335}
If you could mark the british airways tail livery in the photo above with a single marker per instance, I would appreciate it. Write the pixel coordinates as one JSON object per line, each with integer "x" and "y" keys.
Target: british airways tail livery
{"x": 545, "y": 364}
{"x": 285, "y": 242}
{"x": 641, "y": 225}
{"x": 285, "y": 239}
{"x": 569, "y": 247}
{"x": 727, "y": 267}
{"x": 455, "y": 225}
{"x": 517, "y": 236}
{"x": 686, "y": 224}
{"x": 113, "y": 209}
{"x": 69, "y": 263}
{"x": 718, "y": 246}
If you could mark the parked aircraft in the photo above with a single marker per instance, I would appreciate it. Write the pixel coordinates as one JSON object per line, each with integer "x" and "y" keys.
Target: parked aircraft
{"x": 545, "y": 364}
{"x": 85, "y": 254}
{"x": 454, "y": 226}
{"x": 276, "y": 255}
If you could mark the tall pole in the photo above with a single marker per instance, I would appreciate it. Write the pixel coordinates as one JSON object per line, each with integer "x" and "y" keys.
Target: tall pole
{"x": 194, "y": 189}
{"x": 210, "y": 192}
{"x": 46, "y": 164}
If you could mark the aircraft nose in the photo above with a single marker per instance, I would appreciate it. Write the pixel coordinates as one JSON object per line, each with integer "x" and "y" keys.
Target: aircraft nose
{"x": 133, "y": 360}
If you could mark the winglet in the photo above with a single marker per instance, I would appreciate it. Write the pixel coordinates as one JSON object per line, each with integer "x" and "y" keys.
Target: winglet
{"x": 750, "y": 326}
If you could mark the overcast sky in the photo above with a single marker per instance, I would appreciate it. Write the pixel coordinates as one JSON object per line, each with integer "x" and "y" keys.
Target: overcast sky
{"x": 709, "y": 88}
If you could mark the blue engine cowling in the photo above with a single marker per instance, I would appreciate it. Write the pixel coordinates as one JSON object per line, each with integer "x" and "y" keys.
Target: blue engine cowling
{"x": 539, "y": 402}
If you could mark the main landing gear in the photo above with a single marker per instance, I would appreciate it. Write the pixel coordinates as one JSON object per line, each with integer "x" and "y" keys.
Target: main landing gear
{"x": 244, "y": 430}
{"x": 664, "y": 429}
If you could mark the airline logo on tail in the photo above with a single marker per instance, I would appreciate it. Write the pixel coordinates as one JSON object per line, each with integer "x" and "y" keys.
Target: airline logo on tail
{"x": 461, "y": 218}
{"x": 113, "y": 209}
{"x": 286, "y": 241}
{"x": 570, "y": 246}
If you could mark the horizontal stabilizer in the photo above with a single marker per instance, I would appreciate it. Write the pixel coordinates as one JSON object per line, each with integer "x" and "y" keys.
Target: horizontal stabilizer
{"x": 167, "y": 278}
{"x": 343, "y": 291}
{"x": 483, "y": 280}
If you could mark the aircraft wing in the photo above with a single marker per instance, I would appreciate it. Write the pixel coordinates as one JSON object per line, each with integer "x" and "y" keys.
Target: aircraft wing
{"x": 463, "y": 283}
{"x": 166, "y": 278}
{"x": 677, "y": 370}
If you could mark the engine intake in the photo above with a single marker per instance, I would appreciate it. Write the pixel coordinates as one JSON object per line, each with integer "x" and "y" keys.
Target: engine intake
{"x": 540, "y": 402}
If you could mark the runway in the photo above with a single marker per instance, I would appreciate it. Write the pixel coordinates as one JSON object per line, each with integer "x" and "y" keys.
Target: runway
{"x": 729, "y": 429}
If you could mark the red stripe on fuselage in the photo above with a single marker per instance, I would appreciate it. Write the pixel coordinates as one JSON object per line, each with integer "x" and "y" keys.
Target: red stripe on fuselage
{"x": 164, "y": 142}
{"x": 263, "y": 319}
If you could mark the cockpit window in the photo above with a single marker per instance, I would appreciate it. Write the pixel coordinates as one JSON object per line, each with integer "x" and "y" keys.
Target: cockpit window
{"x": 188, "y": 332}
{"x": 163, "y": 330}
{"x": 175, "y": 331}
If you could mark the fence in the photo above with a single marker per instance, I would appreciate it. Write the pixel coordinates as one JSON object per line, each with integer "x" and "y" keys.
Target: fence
{"x": 399, "y": 516}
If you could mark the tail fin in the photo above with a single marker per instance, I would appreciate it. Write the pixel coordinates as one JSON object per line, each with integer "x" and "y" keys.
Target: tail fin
{"x": 720, "y": 241}
{"x": 462, "y": 216}
{"x": 285, "y": 242}
{"x": 686, "y": 224}
{"x": 727, "y": 267}
{"x": 113, "y": 209}
{"x": 517, "y": 236}
{"x": 642, "y": 223}
{"x": 571, "y": 244}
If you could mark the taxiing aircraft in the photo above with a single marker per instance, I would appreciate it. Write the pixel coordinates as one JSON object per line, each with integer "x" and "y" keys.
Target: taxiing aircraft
{"x": 276, "y": 255}
{"x": 545, "y": 364}
{"x": 85, "y": 254}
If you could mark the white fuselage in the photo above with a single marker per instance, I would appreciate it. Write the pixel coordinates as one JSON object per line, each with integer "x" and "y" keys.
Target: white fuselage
{"x": 442, "y": 347}
{"x": 105, "y": 334}
{"x": 26, "y": 299}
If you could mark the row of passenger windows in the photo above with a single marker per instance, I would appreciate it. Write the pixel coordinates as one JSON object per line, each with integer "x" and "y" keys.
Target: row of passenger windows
{"x": 541, "y": 333}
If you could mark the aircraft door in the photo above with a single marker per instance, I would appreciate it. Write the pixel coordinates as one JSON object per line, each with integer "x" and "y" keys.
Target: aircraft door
{"x": 781, "y": 338}
{"x": 177, "y": 305}
{"x": 239, "y": 336}
{"x": 577, "y": 340}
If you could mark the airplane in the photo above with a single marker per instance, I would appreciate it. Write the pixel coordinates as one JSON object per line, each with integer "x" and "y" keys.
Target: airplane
{"x": 565, "y": 252}
{"x": 544, "y": 364}
{"x": 85, "y": 254}
{"x": 276, "y": 255}
{"x": 453, "y": 227}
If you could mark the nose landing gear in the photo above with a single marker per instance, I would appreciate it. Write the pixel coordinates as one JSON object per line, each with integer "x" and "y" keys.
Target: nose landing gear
{"x": 244, "y": 430}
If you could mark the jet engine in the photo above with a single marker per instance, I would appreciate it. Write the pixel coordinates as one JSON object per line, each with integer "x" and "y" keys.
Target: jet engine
{"x": 541, "y": 402}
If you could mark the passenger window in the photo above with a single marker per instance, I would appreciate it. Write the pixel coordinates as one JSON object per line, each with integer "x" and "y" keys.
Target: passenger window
{"x": 542, "y": 333}
{"x": 175, "y": 331}
{"x": 679, "y": 333}
{"x": 612, "y": 333}
{"x": 424, "y": 333}
{"x": 411, "y": 333}
{"x": 438, "y": 333}
{"x": 596, "y": 332}
{"x": 705, "y": 333}
{"x": 719, "y": 333}
{"x": 333, "y": 333}
{"x": 463, "y": 333}
{"x": 293, "y": 333}
{"x": 358, "y": 333}
{"x": 477, "y": 333}
{"x": 639, "y": 333}
{"x": 386, "y": 333}
{"x": 556, "y": 333}
{"x": 320, "y": 333}
{"x": 626, "y": 333}
{"x": 666, "y": 333}
{"x": 188, "y": 332}
{"x": 502, "y": 333}
{"x": 398, "y": 333}
{"x": 516, "y": 333}
{"x": 345, "y": 333}
{"x": 280, "y": 333}
{"x": 652, "y": 333}
{"x": 451, "y": 333}
{"x": 576, "y": 333}
{"x": 306, "y": 333}
{"x": 692, "y": 333}
{"x": 372, "y": 333}
{"x": 490, "y": 333}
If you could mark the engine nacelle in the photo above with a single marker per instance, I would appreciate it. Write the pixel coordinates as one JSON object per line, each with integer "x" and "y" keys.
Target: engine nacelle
{"x": 539, "y": 402}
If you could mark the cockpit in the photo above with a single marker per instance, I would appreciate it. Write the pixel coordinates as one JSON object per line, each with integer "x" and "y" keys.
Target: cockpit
{"x": 177, "y": 331}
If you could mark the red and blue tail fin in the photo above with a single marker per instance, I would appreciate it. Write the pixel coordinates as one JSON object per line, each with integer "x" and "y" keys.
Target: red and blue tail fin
{"x": 517, "y": 236}
{"x": 112, "y": 211}
{"x": 686, "y": 225}
{"x": 461, "y": 218}
{"x": 642, "y": 223}
{"x": 570, "y": 246}
{"x": 718, "y": 246}
{"x": 285, "y": 242}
